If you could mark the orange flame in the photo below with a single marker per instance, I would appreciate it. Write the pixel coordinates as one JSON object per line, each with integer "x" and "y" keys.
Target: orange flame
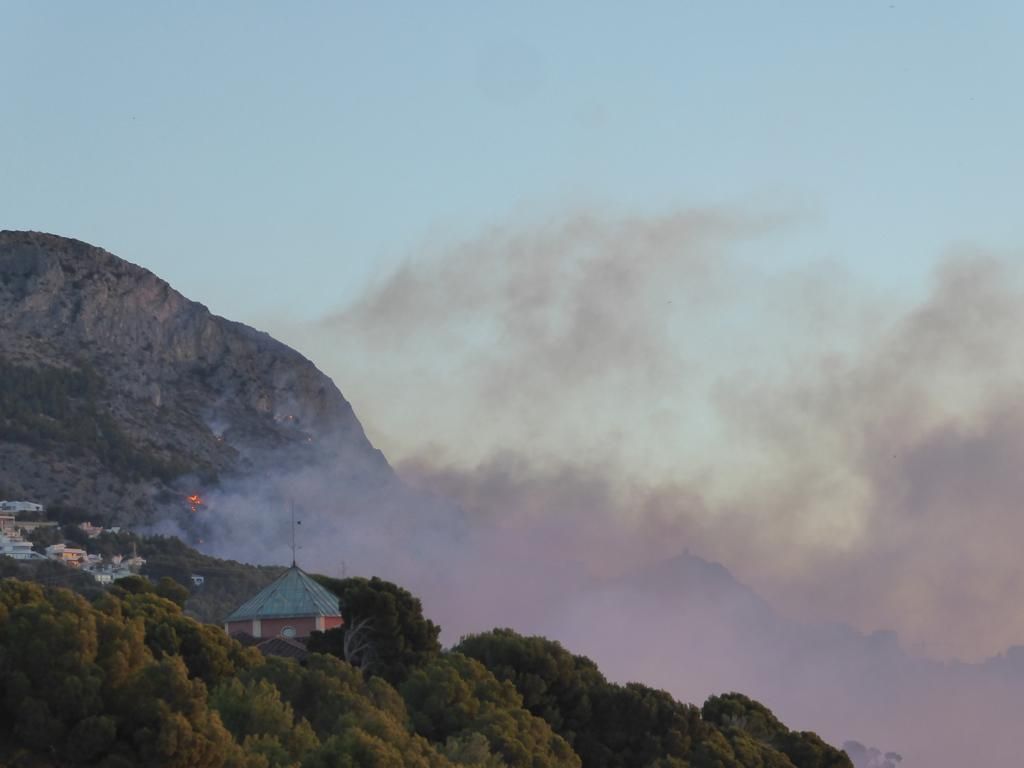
{"x": 194, "y": 501}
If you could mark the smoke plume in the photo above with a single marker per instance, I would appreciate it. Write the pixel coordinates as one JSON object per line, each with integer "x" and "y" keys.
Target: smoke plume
{"x": 569, "y": 402}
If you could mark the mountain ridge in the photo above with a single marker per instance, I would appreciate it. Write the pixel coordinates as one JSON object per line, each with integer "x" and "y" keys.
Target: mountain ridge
{"x": 193, "y": 390}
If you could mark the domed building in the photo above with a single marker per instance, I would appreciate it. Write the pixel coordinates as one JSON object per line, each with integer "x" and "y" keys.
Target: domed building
{"x": 292, "y": 606}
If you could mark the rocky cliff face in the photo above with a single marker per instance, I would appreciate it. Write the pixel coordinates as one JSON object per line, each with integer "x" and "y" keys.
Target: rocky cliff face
{"x": 190, "y": 392}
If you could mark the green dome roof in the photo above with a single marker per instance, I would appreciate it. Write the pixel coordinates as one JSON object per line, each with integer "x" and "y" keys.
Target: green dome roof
{"x": 292, "y": 595}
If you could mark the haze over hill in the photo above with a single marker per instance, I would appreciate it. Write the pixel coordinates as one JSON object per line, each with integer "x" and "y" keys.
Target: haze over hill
{"x": 822, "y": 436}
{"x": 550, "y": 553}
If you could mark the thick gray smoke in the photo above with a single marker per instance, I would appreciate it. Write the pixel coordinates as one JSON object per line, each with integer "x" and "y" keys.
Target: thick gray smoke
{"x": 585, "y": 414}
{"x": 579, "y": 575}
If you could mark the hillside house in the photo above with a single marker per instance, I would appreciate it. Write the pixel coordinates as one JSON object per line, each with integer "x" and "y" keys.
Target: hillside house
{"x": 15, "y": 547}
{"x": 292, "y": 606}
{"x": 70, "y": 556}
{"x": 15, "y": 507}
{"x": 107, "y": 573}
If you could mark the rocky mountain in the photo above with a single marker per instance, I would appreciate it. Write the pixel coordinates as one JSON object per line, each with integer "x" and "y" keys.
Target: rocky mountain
{"x": 118, "y": 394}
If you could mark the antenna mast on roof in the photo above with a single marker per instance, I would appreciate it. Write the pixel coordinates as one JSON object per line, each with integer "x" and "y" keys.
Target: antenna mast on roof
{"x": 292, "y": 504}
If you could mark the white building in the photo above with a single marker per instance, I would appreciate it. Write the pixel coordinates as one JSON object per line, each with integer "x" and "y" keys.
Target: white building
{"x": 17, "y": 548}
{"x": 20, "y": 506}
{"x": 107, "y": 574}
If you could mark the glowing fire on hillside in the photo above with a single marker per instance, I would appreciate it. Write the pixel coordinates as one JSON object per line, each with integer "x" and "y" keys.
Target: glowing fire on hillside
{"x": 195, "y": 501}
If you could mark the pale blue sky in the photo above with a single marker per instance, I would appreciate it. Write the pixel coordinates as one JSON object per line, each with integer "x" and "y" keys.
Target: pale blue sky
{"x": 271, "y": 157}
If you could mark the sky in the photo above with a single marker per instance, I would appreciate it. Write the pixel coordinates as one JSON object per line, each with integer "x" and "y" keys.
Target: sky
{"x": 744, "y": 274}
{"x": 265, "y": 158}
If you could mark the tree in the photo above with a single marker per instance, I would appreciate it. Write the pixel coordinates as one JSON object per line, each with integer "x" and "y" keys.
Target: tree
{"x": 554, "y": 683}
{"x": 454, "y": 697}
{"x": 353, "y": 643}
{"x": 170, "y": 589}
{"x": 44, "y": 536}
{"x": 390, "y": 621}
{"x": 608, "y": 725}
{"x": 739, "y": 715}
{"x": 360, "y": 722}
{"x": 79, "y": 683}
{"x": 257, "y": 717}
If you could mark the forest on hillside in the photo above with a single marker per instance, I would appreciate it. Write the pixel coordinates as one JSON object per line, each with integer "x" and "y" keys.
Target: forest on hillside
{"x": 60, "y": 410}
{"x": 122, "y": 677}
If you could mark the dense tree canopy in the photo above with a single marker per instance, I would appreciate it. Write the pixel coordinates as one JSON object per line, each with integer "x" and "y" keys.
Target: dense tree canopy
{"x": 609, "y": 725}
{"x": 81, "y": 686}
{"x": 453, "y": 698}
{"x": 634, "y": 726}
{"x": 400, "y": 638}
{"x": 128, "y": 679}
{"x": 742, "y": 718}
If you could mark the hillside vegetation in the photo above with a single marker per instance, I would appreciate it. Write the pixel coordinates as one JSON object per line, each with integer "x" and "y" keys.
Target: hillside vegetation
{"x": 128, "y": 679}
{"x": 58, "y": 411}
